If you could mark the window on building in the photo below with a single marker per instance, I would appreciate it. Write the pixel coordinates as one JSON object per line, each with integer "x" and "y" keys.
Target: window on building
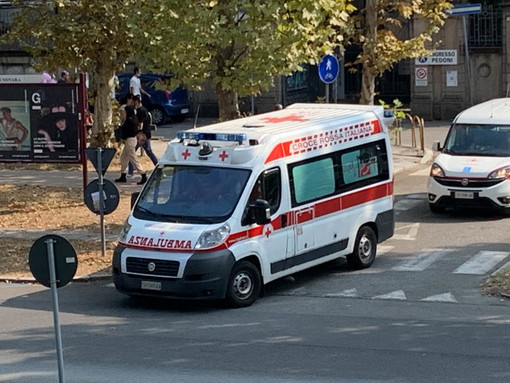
{"x": 485, "y": 28}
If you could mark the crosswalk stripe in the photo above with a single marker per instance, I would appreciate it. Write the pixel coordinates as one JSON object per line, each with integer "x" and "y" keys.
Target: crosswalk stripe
{"x": 481, "y": 263}
{"x": 394, "y": 295}
{"x": 502, "y": 268}
{"x": 446, "y": 297}
{"x": 350, "y": 293}
{"x": 421, "y": 260}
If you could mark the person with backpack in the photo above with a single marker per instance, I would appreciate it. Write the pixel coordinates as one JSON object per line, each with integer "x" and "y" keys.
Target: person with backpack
{"x": 128, "y": 155}
{"x": 145, "y": 133}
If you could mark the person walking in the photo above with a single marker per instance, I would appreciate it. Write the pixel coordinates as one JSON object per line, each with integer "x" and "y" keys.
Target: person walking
{"x": 129, "y": 133}
{"x": 144, "y": 127}
{"x": 135, "y": 85}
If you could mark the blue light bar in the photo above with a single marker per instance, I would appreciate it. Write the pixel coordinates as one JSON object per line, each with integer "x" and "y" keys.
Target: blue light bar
{"x": 198, "y": 136}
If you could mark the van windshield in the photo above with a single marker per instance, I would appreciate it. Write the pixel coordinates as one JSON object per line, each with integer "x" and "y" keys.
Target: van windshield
{"x": 191, "y": 194}
{"x": 478, "y": 140}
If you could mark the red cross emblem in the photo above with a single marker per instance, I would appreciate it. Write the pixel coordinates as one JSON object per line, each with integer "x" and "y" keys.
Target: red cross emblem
{"x": 186, "y": 154}
{"x": 292, "y": 117}
{"x": 268, "y": 232}
{"x": 223, "y": 155}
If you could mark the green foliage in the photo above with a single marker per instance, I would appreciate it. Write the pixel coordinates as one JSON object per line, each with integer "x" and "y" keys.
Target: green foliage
{"x": 93, "y": 36}
{"x": 378, "y": 30}
{"x": 241, "y": 46}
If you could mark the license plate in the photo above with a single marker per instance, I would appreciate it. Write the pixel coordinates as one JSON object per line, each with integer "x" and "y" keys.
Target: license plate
{"x": 184, "y": 111}
{"x": 464, "y": 195}
{"x": 151, "y": 285}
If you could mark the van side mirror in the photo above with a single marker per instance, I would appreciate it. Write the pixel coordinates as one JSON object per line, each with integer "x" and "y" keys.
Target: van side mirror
{"x": 261, "y": 212}
{"x": 134, "y": 197}
{"x": 436, "y": 146}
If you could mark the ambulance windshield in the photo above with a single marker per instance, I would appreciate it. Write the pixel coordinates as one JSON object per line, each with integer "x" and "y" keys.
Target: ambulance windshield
{"x": 478, "y": 140}
{"x": 191, "y": 194}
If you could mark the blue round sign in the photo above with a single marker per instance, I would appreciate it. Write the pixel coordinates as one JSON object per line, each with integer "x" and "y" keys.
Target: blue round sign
{"x": 328, "y": 69}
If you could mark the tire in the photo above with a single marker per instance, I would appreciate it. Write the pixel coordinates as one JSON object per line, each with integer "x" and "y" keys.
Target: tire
{"x": 436, "y": 209}
{"x": 158, "y": 115}
{"x": 244, "y": 285}
{"x": 365, "y": 248}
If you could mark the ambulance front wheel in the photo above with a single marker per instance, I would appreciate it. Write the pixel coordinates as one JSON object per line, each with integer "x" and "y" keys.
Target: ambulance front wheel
{"x": 244, "y": 285}
{"x": 365, "y": 249}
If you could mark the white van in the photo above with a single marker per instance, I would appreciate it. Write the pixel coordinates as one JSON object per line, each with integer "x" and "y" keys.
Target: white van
{"x": 233, "y": 206}
{"x": 473, "y": 168}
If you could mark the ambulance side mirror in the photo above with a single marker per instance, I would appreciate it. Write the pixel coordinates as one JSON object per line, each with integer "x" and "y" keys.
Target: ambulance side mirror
{"x": 134, "y": 197}
{"x": 261, "y": 212}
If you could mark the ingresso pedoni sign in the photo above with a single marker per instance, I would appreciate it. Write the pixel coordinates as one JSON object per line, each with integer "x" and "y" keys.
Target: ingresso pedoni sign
{"x": 439, "y": 57}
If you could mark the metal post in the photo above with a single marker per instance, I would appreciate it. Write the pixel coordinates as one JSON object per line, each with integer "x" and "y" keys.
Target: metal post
{"x": 466, "y": 57}
{"x": 101, "y": 199}
{"x": 327, "y": 93}
{"x": 56, "y": 319}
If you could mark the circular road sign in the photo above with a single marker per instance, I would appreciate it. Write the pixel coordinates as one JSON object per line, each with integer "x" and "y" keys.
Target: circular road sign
{"x": 328, "y": 69}
{"x": 110, "y": 196}
{"x": 66, "y": 261}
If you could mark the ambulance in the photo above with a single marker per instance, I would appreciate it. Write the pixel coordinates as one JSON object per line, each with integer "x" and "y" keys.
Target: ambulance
{"x": 235, "y": 205}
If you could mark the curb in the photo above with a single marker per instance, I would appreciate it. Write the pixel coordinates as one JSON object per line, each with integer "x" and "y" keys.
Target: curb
{"x": 80, "y": 279}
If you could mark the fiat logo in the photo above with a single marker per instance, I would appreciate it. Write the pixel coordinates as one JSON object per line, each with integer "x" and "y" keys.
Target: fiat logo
{"x": 464, "y": 182}
{"x": 151, "y": 266}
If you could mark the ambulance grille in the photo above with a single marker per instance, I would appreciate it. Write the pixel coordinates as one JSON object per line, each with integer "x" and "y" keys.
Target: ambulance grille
{"x": 156, "y": 267}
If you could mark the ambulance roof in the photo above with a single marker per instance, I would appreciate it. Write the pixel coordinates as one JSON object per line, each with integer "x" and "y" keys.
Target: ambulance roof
{"x": 492, "y": 112}
{"x": 295, "y": 119}
{"x": 242, "y": 140}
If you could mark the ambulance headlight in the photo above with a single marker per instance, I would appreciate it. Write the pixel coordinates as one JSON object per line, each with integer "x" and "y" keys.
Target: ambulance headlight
{"x": 212, "y": 238}
{"x": 500, "y": 173}
{"x": 124, "y": 232}
{"x": 436, "y": 171}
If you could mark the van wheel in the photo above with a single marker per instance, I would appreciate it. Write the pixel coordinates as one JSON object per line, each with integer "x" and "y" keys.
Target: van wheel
{"x": 244, "y": 285}
{"x": 365, "y": 249}
{"x": 158, "y": 115}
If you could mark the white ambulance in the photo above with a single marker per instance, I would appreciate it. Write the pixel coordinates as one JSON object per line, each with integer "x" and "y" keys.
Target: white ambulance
{"x": 473, "y": 168}
{"x": 233, "y": 206}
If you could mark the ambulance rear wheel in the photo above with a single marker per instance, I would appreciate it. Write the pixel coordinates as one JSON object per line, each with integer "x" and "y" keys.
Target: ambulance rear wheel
{"x": 244, "y": 285}
{"x": 365, "y": 249}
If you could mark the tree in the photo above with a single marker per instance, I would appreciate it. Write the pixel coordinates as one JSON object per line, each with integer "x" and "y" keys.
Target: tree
{"x": 94, "y": 36}
{"x": 240, "y": 46}
{"x": 377, "y": 28}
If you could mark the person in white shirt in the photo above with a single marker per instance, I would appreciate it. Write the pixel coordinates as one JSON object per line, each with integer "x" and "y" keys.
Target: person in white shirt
{"x": 135, "y": 86}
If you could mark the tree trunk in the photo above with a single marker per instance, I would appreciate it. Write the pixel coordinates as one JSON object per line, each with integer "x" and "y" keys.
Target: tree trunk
{"x": 367, "y": 86}
{"x": 102, "y": 129}
{"x": 228, "y": 105}
{"x": 369, "y": 53}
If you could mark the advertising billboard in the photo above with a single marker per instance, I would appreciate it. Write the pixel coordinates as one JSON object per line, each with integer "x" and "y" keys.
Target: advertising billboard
{"x": 39, "y": 123}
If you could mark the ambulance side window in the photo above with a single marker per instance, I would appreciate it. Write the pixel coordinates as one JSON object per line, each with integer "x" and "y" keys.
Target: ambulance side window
{"x": 267, "y": 187}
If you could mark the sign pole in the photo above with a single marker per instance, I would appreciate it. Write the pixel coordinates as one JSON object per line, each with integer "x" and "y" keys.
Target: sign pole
{"x": 468, "y": 67}
{"x": 327, "y": 93}
{"x": 56, "y": 319}
{"x": 101, "y": 199}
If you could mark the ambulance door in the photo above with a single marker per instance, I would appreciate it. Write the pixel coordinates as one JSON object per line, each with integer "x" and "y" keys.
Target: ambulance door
{"x": 316, "y": 230}
{"x": 276, "y": 237}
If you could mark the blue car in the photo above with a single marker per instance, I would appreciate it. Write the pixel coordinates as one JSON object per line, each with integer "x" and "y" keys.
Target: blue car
{"x": 162, "y": 103}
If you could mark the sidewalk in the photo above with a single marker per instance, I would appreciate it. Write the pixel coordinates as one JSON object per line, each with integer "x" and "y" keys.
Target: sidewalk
{"x": 404, "y": 157}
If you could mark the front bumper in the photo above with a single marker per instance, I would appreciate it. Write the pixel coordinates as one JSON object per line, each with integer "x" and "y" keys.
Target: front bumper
{"x": 496, "y": 197}
{"x": 205, "y": 276}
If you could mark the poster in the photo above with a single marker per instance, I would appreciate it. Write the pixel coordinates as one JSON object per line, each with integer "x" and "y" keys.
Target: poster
{"x": 39, "y": 123}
